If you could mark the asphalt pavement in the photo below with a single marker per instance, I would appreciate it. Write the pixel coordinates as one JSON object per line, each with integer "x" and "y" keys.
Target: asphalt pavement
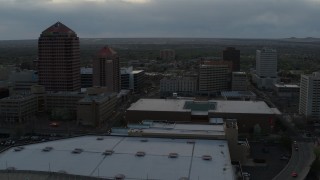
{"x": 299, "y": 162}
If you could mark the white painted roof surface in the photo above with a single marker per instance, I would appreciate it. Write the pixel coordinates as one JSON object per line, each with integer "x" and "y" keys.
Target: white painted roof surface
{"x": 176, "y": 105}
{"x": 154, "y": 165}
{"x": 159, "y": 105}
{"x": 249, "y": 107}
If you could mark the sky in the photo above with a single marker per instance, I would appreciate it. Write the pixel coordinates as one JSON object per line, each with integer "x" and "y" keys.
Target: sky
{"x": 26, "y": 19}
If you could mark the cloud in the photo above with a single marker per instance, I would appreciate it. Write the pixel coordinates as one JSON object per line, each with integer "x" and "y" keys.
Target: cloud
{"x": 25, "y": 19}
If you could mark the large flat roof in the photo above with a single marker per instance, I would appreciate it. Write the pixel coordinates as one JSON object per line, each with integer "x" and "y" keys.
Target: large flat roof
{"x": 154, "y": 165}
{"x": 221, "y": 106}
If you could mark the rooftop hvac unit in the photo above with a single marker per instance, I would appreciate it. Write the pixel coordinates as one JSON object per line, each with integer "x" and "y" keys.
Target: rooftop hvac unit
{"x": 173, "y": 155}
{"x": 47, "y": 149}
{"x": 144, "y": 140}
{"x": 207, "y": 157}
{"x": 108, "y": 152}
{"x": 191, "y": 142}
{"x": 119, "y": 177}
{"x": 140, "y": 154}
{"x": 77, "y": 151}
{"x": 99, "y": 138}
{"x": 62, "y": 172}
{"x": 16, "y": 149}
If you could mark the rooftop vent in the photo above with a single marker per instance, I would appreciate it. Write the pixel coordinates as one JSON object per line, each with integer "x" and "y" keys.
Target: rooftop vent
{"x": 140, "y": 154}
{"x": 108, "y": 152}
{"x": 63, "y": 172}
{"x": 183, "y": 178}
{"x": 11, "y": 168}
{"x": 207, "y": 157}
{"x": 144, "y": 140}
{"x": 16, "y": 149}
{"x": 119, "y": 177}
{"x": 191, "y": 142}
{"x": 47, "y": 149}
{"x": 173, "y": 155}
{"x": 77, "y": 151}
{"x": 99, "y": 138}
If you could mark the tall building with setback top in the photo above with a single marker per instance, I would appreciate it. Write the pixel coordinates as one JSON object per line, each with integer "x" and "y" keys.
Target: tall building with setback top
{"x": 106, "y": 69}
{"x": 233, "y": 55}
{"x": 309, "y": 104}
{"x": 59, "y": 59}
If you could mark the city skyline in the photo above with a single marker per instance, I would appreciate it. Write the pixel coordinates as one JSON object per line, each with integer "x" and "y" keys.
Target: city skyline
{"x": 151, "y": 18}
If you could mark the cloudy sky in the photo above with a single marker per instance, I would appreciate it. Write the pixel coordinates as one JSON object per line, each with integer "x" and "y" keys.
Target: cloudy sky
{"x": 25, "y": 19}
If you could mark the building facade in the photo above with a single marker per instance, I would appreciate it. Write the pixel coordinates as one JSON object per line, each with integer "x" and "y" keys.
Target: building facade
{"x": 18, "y": 108}
{"x": 233, "y": 55}
{"x": 239, "y": 81}
{"x": 59, "y": 59}
{"x": 93, "y": 110}
{"x": 132, "y": 79}
{"x": 167, "y": 54}
{"x": 180, "y": 85}
{"x": 266, "y": 68}
{"x": 86, "y": 77}
{"x": 106, "y": 69}
{"x": 214, "y": 76}
{"x": 309, "y": 104}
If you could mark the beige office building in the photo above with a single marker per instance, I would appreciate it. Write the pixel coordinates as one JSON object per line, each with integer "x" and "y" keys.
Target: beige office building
{"x": 92, "y": 110}
{"x": 214, "y": 76}
{"x": 239, "y": 81}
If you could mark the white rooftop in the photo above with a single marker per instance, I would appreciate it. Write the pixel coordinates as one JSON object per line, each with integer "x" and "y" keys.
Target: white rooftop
{"x": 159, "y": 105}
{"x": 244, "y": 107}
{"x": 154, "y": 165}
{"x": 222, "y": 106}
{"x": 287, "y": 85}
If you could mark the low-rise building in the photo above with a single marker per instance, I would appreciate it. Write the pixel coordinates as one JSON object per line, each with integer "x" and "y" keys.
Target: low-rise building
{"x": 248, "y": 113}
{"x": 182, "y": 85}
{"x": 92, "y": 110}
{"x": 286, "y": 90}
{"x": 18, "y": 108}
{"x": 239, "y": 81}
{"x": 167, "y": 54}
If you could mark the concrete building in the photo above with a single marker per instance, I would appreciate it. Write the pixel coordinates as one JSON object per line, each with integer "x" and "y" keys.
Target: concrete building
{"x": 18, "y": 108}
{"x": 239, "y": 81}
{"x": 309, "y": 104}
{"x": 184, "y": 86}
{"x": 239, "y": 95}
{"x": 286, "y": 90}
{"x": 167, "y": 54}
{"x": 106, "y": 69}
{"x": 86, "y": 77}
{"x": 132, "y": 79}
{"x": 23, "y": 80}
{"x": 63, "y": 104}
{"x": 266, "y": 68}
{"x": 93, "y": 110}
{"x": 248, "y": 113}
{"x": 116, "y": 157}
{"x": 59, "y": 59}
{"x": 233, "y": 55}
{"x": 214, "y": 76}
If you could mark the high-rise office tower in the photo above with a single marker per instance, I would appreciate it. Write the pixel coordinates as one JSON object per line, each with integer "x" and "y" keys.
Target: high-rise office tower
{"x": 106, "y": 69}
{"x": 214, "y": 76}
{"x": 266, "y": 68}
{"x": 59, "y": 59}
{"x": 266, "y": 63}
{"x": 233, "y": 55}
{"x": 309, "y": 104}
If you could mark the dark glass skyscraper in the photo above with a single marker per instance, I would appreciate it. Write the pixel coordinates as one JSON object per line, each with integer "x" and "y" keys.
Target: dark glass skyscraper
{"x": 233, "y": 55}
